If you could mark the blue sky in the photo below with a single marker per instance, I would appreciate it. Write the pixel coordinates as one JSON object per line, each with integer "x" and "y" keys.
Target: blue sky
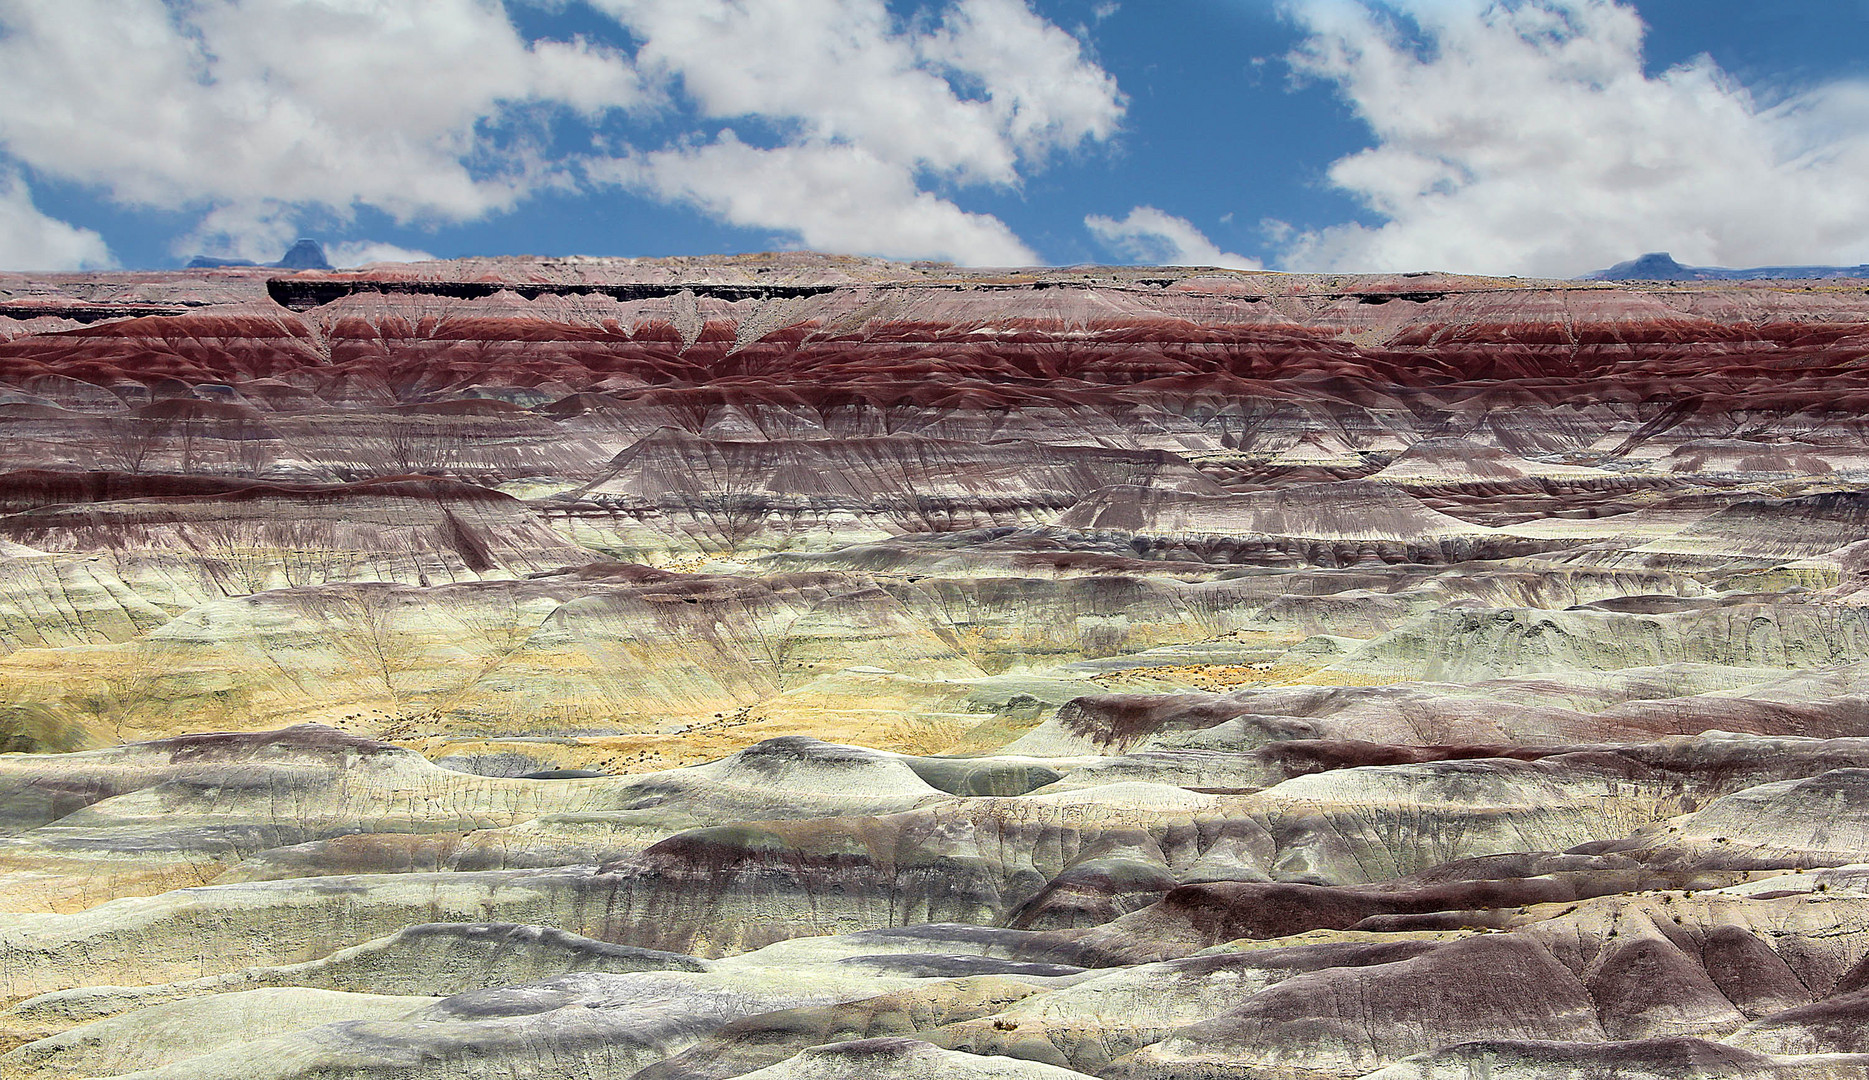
{"x": 1536, "y": 137}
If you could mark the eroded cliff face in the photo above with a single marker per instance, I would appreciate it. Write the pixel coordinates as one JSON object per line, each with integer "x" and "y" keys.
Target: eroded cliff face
{"x": 805, "y": 667}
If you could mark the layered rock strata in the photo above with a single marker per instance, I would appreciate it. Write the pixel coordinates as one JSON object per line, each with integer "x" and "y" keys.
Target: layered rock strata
{"x": 800, "y": 667}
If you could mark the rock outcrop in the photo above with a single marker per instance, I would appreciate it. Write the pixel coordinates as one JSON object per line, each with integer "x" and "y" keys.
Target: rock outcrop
{"x": 800, "y": 667}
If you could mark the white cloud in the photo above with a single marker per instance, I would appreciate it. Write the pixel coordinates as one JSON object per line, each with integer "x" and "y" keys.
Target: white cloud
{"x": 1153, "y": 236}
{"x": 264, "y": 116}
{"x": 30, "y": 240}
{"x": 364, "y": 252}
{"x": 866, "y": 109}
{"x": 835, "y": 197}
{"x": 1525, "y": 137}
{"x": 843, "y": 71}
{"x": 1040, "y": 89}
{"x": 833, "y": 70}
{"x": 260, "y": 109}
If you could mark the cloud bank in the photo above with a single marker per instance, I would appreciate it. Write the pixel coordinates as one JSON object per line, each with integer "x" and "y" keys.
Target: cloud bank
{"x": 1508, "y": 136}
{"x": 876, "y": 117}
{"x": 831, "y": 122}
{"x": 30, "y": 240}
{"x": 1525, "y": 137}
{"x": 257, "y": 113}
{"x": 1155, "y": 236}
{"x": 364, "y": 252}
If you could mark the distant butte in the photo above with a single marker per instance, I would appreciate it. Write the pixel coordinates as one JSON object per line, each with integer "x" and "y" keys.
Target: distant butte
{"x": 306, "y": 254}
{"x": 1660, "y": 266}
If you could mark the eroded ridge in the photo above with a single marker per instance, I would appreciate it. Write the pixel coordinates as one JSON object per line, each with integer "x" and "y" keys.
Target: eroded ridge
{"x": 801, "y": 667}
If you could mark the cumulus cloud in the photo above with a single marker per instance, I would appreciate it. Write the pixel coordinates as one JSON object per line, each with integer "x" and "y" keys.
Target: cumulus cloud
{"x": 260, "y": 116}
{"x": 260, "y": 109}
{"x": 31, "y": 240}
{"x": 1039, "y": 88}
{"x": 865, "y": 108}
{"x": 1154, "y": 236}
{"x": 1524, "y": 136}
{"x": 364, "y": 252}
{"x": 834, "y": 197}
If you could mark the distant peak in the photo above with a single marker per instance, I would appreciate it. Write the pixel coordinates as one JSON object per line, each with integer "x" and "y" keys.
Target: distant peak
{"x": 1660, "y": 266}
{"x": 1656, "y": 261}
{"x": 1654, "y": 266}
{"x": 307, "y": 254}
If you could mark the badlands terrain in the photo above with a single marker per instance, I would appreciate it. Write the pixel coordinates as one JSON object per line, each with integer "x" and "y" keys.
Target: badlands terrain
{"x": 806, "y": 668}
